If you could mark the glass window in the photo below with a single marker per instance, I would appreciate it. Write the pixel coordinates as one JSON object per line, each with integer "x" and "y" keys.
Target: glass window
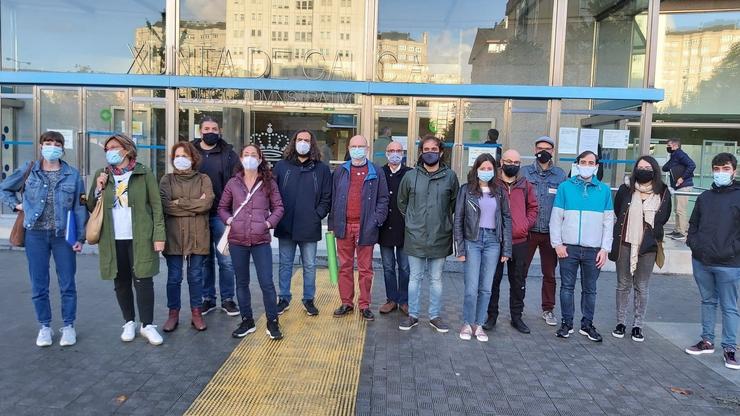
{"x": 450, "y": 41}
{"x": 480, "y": 116}
{"x": 102, "y": 36}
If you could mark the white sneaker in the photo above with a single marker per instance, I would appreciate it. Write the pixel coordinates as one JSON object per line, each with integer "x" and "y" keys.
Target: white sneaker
{"x": 480, "y": 334}
{"x": 466, "y": 332}
{"x": 69, "y": 336}
{"x": 44, "y": 337}
{"x": 150, "y": 333}
{"x": 129, "y": 331}
{"x": 549, "y": 318}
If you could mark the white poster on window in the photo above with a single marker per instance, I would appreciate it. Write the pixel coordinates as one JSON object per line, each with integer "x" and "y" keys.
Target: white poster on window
{"x": 68, "y": 137}
{"x": 616, "y": 139}
{"x": 137, "y": 128}
{"x": 404, "y": 140}
{"x": 589, "y": 140}
{"x": 568, "y": 140}
{"x": 474, "y": 152}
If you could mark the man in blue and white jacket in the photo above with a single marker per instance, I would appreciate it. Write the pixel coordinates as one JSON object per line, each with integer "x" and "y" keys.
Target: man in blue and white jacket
{"x": 581, "y": 233}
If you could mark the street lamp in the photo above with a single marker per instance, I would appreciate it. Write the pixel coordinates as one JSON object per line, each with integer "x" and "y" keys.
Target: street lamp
{"x": 17, "y": 62}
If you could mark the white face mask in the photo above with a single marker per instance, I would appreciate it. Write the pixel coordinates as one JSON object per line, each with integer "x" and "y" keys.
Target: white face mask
{"x": 302, "y": 147}
{"x": 250, "y": 162}
{"x": 586, "y": 172}
{"x": 182, "y": 163}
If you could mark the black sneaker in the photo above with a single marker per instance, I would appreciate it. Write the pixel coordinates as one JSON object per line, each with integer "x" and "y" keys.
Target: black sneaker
{"x": 283, "y": 305}
{"x": 619, "y": 331}
{"x": 208, "y": 305}
{"x": 245, "y": 327}
{"x": 408, "y": 323}
{"x": 229, "y": 307}
{"x": 701, "y": 347}
{"x": 731, "y": 359}
{"x": 273, "y": 330}
{"x": 490, "y": 323}
{"x": 311, "y": 309}
{"x": 440, "y": 325}
{"x": 564, "y": 331}
{"x": 590, "y": 332}
{"x": 343, "y": 310}
{"x": 367, "y": 314}
{"x": 637, "y": 334}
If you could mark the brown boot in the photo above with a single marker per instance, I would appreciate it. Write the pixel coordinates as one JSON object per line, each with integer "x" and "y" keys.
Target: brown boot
{"x": 197, "y": 320}
{"x": 388, "y": 307}
{"x": 171, "y": 323}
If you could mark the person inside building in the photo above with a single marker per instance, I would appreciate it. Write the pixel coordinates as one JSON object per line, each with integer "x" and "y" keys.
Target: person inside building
{"x": 492, "y": 138}
{"x": 681, "y": 170}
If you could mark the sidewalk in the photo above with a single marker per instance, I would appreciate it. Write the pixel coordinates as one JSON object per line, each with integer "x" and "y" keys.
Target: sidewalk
{"x": 419, "y": 372}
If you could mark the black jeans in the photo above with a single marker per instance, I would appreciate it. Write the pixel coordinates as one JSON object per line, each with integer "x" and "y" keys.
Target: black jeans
{"x": 517, "y": 271}
{"x": 144, "y": 287}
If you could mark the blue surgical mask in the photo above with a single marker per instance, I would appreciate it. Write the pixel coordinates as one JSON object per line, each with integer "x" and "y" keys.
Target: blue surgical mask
{"x": 51, "y": 153}
{"x": 357, "y": 153}
{"x": 722, "y": 178}
{"x": 394, "y": 158}
{"x": 586, "y": 172}
{"x": 250, "y": 163}
{"x": 114, "y": 157}
{"x": 485, "y": 175}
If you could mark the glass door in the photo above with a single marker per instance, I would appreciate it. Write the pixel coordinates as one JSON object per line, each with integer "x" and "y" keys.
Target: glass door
{"x": 61, "y": 111}
{"x": 437, "y": 117}
{"x": 105, "y": 115}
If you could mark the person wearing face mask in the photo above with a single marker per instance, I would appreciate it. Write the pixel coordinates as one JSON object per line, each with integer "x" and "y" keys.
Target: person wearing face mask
{"x": 251, "y": 205}
{"x": 546, "y": 177}
{"x": 50, "y": 189}
{"x": 219, "y": 162}
{"x": 482, "y": 234}
{"x": 132, "y": 235}
{"x": 187, "y": 197}
{"x": 581, "y": 233}
{"x": 426, "y": 199}
{"x": 642, "y": 208}
{"x": 395, "y": 260}
{"x": 304, "y": 182}
{"x": 523, "y": 207}
{"x": 681, "y": 170}
{"x": 714, "y": 240}
{"x": 359, "y": 208}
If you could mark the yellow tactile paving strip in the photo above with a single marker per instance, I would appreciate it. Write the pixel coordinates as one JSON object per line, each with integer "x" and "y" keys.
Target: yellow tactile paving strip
{"x": 313, "y": 370}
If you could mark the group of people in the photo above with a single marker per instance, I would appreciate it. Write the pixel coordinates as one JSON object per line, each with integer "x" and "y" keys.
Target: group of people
{"x": 419, "y": 215}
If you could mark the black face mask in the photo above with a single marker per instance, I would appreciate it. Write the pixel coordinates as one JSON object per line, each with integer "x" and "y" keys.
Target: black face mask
{"x": 543, "y": 156}
{"x": 669, "y": 149}
{"x": 430, "y": 158}
{"x": 644, "y": 175}
{"x": 211, "y": 138}
{"x": 510, "y": 170}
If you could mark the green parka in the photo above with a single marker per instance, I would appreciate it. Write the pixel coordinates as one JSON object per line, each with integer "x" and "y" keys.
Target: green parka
{"x": 147, "y": 221}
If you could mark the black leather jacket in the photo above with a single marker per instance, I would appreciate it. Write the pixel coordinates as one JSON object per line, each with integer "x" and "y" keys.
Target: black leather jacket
{"x": 467, "y": 220}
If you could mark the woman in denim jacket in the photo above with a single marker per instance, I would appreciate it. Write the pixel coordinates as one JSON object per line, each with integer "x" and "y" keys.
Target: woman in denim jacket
{"x": 52, "y": 190}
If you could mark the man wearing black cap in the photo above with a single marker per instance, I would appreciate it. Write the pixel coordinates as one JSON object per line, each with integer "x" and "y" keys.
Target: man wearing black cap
{"x": 545, "y": 177}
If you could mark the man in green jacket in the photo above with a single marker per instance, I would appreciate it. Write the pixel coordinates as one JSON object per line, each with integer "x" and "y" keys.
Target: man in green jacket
{"x": 426, "y": 199}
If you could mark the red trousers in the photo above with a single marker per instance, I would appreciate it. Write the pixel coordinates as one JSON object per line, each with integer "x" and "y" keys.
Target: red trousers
{"x": 346, "y": 249}
{"x": 548, "y": 259}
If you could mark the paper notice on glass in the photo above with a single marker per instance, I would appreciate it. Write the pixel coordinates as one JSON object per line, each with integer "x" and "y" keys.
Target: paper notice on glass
{"x": 137, "y": 128}
{"x": 616, "y": 139}
{"x": 68, "y": 134}
{"x": 474, "y": 152}
{"x": 404, "y": 140}
{"x": 568, "y": 140}
{"x": 589, "y": 140}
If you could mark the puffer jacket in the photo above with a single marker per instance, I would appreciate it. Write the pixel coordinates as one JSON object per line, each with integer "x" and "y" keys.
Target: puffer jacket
{"x": 249, "y": 228}
{"x": 186, "y": 213}
{"x": 467, "y": 220}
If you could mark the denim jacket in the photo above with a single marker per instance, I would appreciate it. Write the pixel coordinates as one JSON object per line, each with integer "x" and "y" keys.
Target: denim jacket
{"x": 546, "y": 183}
{"x": 67, "y": 196}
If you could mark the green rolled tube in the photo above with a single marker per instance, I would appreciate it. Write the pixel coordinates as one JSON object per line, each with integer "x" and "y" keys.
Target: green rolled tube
{"x": 331, "y": 257}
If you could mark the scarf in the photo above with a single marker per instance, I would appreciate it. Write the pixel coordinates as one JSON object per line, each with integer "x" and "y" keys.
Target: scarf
{"x": 120, "y": 171}
{"x": 643, "y": 206}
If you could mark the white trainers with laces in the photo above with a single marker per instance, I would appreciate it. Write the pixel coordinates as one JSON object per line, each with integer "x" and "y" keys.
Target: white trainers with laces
{"x": 69, "y": 336}
{"x": 150, "y": 333}
{"x": 466, "y": 332}
{"x": 549, "y": 318}
{"x": 129, "y": 331}
{"x": 480, "y": 334}
{"x": 44, "y": 337}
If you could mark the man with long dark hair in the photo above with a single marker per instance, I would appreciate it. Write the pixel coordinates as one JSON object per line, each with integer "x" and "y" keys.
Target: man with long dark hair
{"x": 305, "y": 187}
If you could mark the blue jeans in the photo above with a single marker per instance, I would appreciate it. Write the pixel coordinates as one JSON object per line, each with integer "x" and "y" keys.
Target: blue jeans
{"x": 174, "y": 280}
{"x": 396, "y": 284}
{"x": 225, "y": 266}
{"x": 40, "y": 246}
{"x": 723, "y": 284}
{"x": 417, "y": 269}
{"x": 262, "y": 255}
{"x": 285, "y": 271}
{"x": 481, "y": 258}
{"x": 585, "y": 257}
